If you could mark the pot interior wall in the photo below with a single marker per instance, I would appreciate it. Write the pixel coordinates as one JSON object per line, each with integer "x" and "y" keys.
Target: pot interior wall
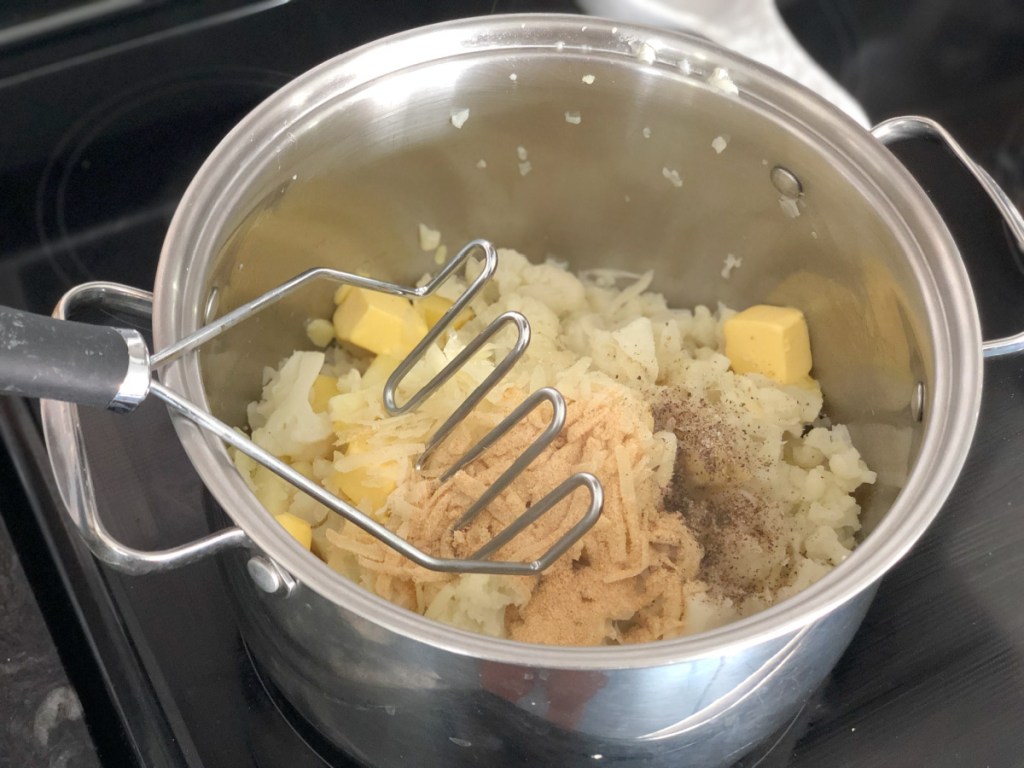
{"x": 348, "y": 184}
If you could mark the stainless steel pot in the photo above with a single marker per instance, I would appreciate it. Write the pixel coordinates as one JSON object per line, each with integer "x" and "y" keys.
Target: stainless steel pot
{"x": 340, "y": 166}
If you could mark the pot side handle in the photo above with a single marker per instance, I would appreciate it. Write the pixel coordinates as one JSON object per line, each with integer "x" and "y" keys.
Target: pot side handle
{"x": 65, "y": 445}
{"x": 899, "y": 128}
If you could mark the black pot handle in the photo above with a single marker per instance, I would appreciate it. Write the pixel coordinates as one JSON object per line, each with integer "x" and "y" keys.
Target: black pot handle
{"x": 910, "y": 127}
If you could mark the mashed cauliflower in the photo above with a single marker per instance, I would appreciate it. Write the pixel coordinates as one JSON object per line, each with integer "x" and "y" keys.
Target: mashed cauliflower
{"x": 725, "y": 493}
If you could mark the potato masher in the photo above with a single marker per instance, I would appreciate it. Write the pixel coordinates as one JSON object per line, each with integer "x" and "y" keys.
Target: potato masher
{"x": 112, "y": 368}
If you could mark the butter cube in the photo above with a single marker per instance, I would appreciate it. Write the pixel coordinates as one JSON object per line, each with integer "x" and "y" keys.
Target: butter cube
{"x": 341, "y": 292}
{"x": 772, "y": 341}
{"x": 367, "y": 486}
{"x": 363, "y": 489}
{"x": 297, "y": 527}
{"x": 432, "y": 308}
{"x": 274, "y": 493}
{"x": 323, "y": 389}
{"x": 378, "y": 322}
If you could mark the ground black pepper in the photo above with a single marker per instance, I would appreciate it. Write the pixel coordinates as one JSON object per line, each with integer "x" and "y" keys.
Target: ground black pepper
{"x": 711, "y": 490}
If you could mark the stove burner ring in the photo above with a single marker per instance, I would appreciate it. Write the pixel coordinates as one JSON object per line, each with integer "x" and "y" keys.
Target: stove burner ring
{"x": 127, "y": 161}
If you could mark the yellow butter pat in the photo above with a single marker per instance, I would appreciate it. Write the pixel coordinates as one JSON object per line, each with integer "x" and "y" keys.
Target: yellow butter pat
{"x": 341, "y": 292}
{"x": 366, "y": 486}
{"x": 274, "y": 492}
{"x": 378, "y": 322}
{"x": 772, "y": 341}
{"x": 432, "y": 309}
{"x": 300, "y": 530}
{"x": 323, "y": 389}
{"x": 363, "y": 489}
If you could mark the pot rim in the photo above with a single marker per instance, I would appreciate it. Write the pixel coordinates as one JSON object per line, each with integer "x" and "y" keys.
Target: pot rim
{"x": 953, "y": 403}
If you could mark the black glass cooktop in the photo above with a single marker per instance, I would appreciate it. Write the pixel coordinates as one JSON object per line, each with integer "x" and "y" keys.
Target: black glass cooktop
{"x": 106, "y": 121}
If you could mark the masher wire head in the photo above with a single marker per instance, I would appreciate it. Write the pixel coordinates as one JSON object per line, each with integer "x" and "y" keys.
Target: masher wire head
{"x": 478, "y": 562}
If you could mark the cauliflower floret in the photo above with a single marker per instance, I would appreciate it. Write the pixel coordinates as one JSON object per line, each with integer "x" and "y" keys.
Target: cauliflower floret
{"x": 284, "y": 420}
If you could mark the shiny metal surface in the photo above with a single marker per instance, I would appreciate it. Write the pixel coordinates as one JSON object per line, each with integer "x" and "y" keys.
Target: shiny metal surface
{"x": 753, "y": 29}
{"x": 514, "y": 320}
{"x": 214, "y": 327}
{"x": 786, "y": 183}
{"x": 910, "y": 127}
{"x": 66, "y": 447}
{"x": 135, "y": 386}
{"x": 266, "y": 575}
{"x": 391, "y": 700}
{"x": 340, "y": 166}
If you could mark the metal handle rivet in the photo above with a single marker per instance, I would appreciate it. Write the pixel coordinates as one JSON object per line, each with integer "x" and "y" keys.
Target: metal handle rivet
{"x": 212, "y": 305}
{"x": 267, "y": 576}
{"x": 786, "y": 182}
{"x": 917, "y": 402}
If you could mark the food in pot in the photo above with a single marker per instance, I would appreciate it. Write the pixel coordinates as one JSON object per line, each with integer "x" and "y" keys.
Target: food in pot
{"x": 726, "y": 490}
{"x": 773, "y": 341}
